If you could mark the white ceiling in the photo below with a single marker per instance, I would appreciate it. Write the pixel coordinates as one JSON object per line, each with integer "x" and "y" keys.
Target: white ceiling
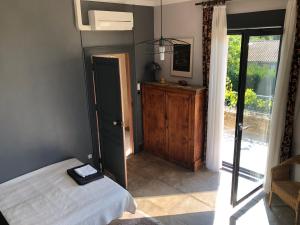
{"x": 142, "y": 2}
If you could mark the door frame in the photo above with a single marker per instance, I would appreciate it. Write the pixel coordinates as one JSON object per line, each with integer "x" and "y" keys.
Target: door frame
{"x": 108, "y": 50}
{"x": 245, "y": 33}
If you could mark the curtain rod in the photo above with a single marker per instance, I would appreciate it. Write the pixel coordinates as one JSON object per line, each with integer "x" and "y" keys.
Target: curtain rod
{"x": 211, "y": 2}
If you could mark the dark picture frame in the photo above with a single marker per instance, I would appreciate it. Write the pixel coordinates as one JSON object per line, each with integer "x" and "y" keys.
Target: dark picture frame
{"x": 182, "y": 59}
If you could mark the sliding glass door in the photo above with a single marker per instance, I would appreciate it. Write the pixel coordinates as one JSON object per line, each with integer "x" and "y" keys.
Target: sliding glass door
{"x": 252, "y": 103}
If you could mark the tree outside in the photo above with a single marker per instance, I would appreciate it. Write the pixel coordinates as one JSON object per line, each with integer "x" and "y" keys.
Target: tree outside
{"x": 260, "y": 84}
{"x": 261, "y": 72}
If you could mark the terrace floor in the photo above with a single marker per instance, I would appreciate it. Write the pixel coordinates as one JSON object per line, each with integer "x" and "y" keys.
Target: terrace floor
{"x": 253, "y": 151}
{"x": 253, "y": 157}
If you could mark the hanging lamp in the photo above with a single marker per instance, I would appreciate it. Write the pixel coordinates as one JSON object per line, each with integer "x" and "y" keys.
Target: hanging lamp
{"x": 163, "y": 45}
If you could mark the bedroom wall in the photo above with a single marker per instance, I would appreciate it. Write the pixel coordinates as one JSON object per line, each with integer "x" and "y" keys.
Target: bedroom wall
{"x": 43, "y": 105}
{"x": 143, "y": 30}
{"x": 189, "y": 24}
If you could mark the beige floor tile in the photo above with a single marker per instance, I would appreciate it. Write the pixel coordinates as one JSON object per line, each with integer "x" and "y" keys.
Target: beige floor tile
{"x": 188, "y": 205}
{"x": 137, "y": 182}
{"x": 156, "y": 188}
{"x": 150, "y": 208}
{"x": 176, "y": 196}
{"x": 201, "y": 218}
{"x": 171, "y": 220}
{"x": 208, "y": 197}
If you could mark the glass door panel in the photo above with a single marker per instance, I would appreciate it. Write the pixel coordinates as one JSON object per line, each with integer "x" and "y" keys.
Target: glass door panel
{"x": 257, "y": 71}
{"x": 231, "y": 96}
{"x": 262, "y": 64}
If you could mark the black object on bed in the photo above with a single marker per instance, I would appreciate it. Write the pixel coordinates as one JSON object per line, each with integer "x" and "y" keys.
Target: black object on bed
{"x": 83, "y": 180}
{"x": 3, "y": 220}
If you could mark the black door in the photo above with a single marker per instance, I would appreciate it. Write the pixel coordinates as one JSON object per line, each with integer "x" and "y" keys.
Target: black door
{"x": 109, "y": 116}
{"x": 259, "y": 59}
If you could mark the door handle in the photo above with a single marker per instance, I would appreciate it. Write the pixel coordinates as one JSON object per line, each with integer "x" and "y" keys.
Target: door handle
{"x": 117, "y": 123}
{"x": 242, "y": 127}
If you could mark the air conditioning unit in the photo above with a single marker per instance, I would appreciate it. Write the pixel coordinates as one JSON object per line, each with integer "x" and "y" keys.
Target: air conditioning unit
{"x": 109, "y": 20}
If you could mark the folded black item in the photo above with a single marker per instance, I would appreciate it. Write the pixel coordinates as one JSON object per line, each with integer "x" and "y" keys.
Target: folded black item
{"x": 84, "y": 180}
{"x": 3, "y": 220}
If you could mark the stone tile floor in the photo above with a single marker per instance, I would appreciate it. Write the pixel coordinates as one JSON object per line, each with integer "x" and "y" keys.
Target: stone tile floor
{"x": 176, "y": 196}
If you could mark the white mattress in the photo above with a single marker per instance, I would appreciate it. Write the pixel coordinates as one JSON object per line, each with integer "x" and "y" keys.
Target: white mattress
{"x": 49, "y": 196}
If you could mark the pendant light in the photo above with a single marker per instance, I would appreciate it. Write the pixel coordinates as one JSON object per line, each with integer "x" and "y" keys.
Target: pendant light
{"x": 163, "y": 45}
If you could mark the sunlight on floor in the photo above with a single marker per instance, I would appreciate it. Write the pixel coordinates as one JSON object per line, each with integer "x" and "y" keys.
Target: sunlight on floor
{"x": 175, "y": 204}
{"x": 173, "y": 195}
{"x": 254, "y": 215}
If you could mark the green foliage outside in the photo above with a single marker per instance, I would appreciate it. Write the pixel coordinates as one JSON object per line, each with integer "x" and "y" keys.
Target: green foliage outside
{"x": 252, "y": 101}
{"x": 231, "y": 96}
{"x": 256, "y": 74}
{"x": 233, "y": 65}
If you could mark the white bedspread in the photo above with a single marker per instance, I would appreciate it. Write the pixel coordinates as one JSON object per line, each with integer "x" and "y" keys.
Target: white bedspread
{"x": 49, "y": 196}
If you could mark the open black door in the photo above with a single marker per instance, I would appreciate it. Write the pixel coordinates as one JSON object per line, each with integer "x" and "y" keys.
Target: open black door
{"x": 109, "y": 116}
{"x": 260, "y": 50}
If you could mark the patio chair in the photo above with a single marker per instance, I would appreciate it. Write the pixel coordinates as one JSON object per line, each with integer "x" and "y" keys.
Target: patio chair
{"x": 282, "y": 185}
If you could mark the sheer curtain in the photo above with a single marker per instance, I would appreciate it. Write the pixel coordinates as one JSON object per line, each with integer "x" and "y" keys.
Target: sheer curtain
{"x": 217, "y": 83}
{"x": 281, "y": 90}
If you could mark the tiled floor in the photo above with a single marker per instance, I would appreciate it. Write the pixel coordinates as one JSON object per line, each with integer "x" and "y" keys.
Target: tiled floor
{"x": 176, "y": 196}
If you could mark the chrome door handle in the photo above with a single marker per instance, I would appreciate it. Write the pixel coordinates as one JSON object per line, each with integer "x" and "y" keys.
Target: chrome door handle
{"x": 242, "y": 127}
{"x": 117, "y": 123}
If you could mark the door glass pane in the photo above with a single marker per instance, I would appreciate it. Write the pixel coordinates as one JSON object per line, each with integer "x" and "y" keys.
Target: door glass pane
{"x": 231, "y": 96}
{"x": 262, "y": 66}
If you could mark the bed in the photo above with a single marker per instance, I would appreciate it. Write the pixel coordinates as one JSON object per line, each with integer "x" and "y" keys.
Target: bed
{"x": 49, "y": 196}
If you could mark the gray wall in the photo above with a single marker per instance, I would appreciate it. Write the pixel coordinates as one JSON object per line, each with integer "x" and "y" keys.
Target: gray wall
{"x": 43, "y": 110}
{"x": 43, "y": 103}
{"x": 143, "y": 30}
{"x": 184, "y": 20}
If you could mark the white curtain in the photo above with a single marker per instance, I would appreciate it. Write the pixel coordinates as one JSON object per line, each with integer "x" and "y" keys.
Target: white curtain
{"x": 217, "y": 83}
{"x": 281, "y": 90}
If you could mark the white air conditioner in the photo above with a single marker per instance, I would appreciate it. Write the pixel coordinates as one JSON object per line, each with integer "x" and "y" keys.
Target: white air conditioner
{"x": 109, "y": 20}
